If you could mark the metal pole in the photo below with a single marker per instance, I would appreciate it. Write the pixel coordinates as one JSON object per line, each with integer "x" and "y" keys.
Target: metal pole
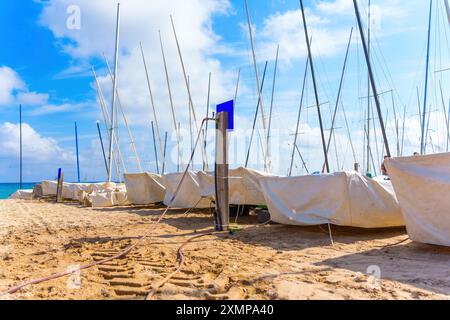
{"x": 448, "y": 120}
{"x": 154, "y": 147}
{"x": 316, "y": 94}
{"x": 78, "y": 158}
{"x": 106, "y": 118}
{"x": 180, "y": 159}
{"x": 403, "y": 130}
{"x": 368, "y": 94}
{"x": 113, "y": 113}
{"x": 301, "y": 158}
{"x": 339, "y": 94}
{"x": 418, "y": 106}
{"x": 298, "y": 118}
{"x": 191, "y": 137}
{"x": 21, "y": 148}
{"x": 445, "y": 116}
{"x": 103, "y": 148}
{"x": 397, "y": 130}
{"x": 59, "y": 186}
{"x": 191, "y": 103}
{"x": 372, "y": 80}
{"x": 255, "y": 118}
{"x": 447, "y": 9}
{"x": 237, "y": 86}
{"x": 222, "y": 215}
{"x": 205, "y": 165}
{"x": 422, "y": 139}
{"x": 349, "y": 133}
{"x": 170, "y": 100}
{"x": 271, "y": 101}
{"x": 260, "y": 97}
{"x": 164, "y": 153}
{"x": 119, "y": 103}
{"x": 152, "y": 101}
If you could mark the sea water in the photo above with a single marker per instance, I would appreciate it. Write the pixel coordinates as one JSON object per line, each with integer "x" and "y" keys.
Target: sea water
{"x": 7, "y": 189}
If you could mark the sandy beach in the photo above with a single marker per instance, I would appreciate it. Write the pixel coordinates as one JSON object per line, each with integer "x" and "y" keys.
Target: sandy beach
{"x": 265, "y": 262}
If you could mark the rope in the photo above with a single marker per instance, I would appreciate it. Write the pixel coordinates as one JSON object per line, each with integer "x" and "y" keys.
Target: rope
{"x": 121, "y": 253}
{"x": 194, "y": 207}
{"x": 394, "y": 244}
{"x": 181, "y": 260}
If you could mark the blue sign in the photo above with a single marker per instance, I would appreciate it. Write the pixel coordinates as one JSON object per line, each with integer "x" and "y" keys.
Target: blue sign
{"x": 227, "y": 107}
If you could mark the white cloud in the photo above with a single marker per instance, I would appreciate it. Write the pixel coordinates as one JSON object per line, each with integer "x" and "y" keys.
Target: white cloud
{"x": 336, "y": 7}
{"x": 286, "y": 29}
{"x": 385, "y": 9}
{"x": 13, "y": 90}
{"x": 10, "y": 82}
{"x": 35, "y": 147}
{"x": 32, "y": 98}
{"x": 58, "y": 108}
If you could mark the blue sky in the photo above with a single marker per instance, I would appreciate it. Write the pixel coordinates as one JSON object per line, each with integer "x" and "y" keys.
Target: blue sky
{"x": 46, "y": 67}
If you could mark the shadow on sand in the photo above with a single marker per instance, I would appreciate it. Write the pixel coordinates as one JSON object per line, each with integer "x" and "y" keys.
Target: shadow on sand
{"x": 419, "y": 265}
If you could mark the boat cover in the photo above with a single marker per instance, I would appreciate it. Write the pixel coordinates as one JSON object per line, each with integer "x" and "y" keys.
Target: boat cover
{"x": 343, "y": 198}
{"x": 144, "y": 188}
{"x": 422, "y": 185}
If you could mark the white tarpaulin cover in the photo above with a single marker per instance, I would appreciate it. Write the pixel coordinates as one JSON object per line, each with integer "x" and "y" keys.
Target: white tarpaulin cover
{"x": 344, "y": 198}
{"x": 244, "y": 188}
{"x": 144, "y": 188}
{"x": 100, "y": 194}
{"x": 49, "y": 188}
{"x": 422, "y": 185}
{"x": 26, "y": 194}
{"x": 189, "y": 194}
{"x": 112, "y": 195}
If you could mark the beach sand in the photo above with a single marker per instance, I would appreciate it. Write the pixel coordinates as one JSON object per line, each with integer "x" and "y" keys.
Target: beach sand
{"x": 266, "y": 262}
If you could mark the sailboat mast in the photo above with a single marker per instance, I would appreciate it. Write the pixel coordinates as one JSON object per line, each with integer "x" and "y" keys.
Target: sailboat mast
{"x": 445, "y": 116}
{"x": 339, "y": 93}
{"x": 78, "y": 157}
{"x": 368, "y": 92}
{"x": 294, "y": 146}
{"x": 177, "y": 133}
{"x": 372, "y": 79}
{"x": 106, "y": 119}
{"x": 447, "y": 9}
{"x": 422, "y": 139}
{"x": 205, "y": 165}
{"x": 164, "y": 153}
{"x": 113, "y": 104}
{"x": 21, "y": 147}
{"x": 154, "y": 148}
{"x": 191, "y": 103}
{"x": 255, "y": 118}
{"x": 153, "y": 103}
{"x": 119, "y": 103}
{"x": 273, "y": 94}
{"x": 316, "y": 94}
{"x": 260, "y": 98}
{"x": 103, "y": 148}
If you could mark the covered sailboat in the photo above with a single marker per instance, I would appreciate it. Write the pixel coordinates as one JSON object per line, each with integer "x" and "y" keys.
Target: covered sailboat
{"x": 244, "y": 188}
{"x": 422, "y": 185}
{"x": 343, "y": 198}
{"x": 144, "y": 188}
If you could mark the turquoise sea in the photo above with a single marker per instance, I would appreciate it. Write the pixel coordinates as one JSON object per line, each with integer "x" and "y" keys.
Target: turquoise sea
{"x": 6, "y": 189}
